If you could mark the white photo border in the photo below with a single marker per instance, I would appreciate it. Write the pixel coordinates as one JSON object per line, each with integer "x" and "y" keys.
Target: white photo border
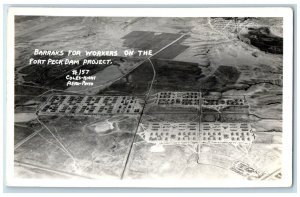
{"x": 287, "y": 126}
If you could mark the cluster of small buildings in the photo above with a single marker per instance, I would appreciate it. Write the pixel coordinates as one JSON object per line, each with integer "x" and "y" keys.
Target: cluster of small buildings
{"x": 245, "y": 170}
{"x": 215, "y": 132}
{"x": 166, "y": 132}
{"x": 202, "y": 103}
{"x": 90, "y": 105}
{"x": 199, "y": 132}
{"x": 178, "y": 99}
{"x": 237, "y": 104}
{"x": 224, "y": 101}
{"x": 189, "y": 132}
{"x": 160, "y": 132}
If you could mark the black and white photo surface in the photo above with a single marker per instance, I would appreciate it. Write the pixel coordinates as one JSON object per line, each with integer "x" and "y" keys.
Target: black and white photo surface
{"x": 129, "y": 99}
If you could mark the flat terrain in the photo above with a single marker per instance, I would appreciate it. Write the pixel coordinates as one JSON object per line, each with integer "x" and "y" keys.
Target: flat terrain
{"x": 75, "y": 145}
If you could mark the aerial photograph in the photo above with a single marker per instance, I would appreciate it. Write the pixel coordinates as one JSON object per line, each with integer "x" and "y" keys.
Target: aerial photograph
{"x": 148, "y": 98}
